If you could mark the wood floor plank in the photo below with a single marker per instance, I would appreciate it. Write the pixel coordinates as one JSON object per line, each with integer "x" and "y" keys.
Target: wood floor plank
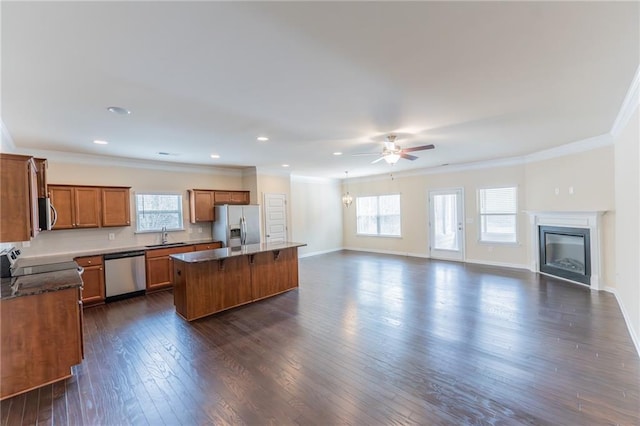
{"x": 366, "y": 339}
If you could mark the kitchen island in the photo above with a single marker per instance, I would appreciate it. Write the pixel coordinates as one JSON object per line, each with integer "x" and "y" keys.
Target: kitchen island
{"x": 210, "y": 281}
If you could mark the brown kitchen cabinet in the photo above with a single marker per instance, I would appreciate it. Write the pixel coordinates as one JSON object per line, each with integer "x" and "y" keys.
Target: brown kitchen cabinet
{"x": 41, "y": 339}
{"x": 159, "y": 266}
{"x": 18, "y": 198}
{"x": 207, "y": 246}
{"x": 93, "y": 290}
{"x": 116, "y": 206}
{"x": 201, "y": 203}
{"x": 41, "y": 168}
{"x": 76, "y": 206}
{"x": 231, "y": 197}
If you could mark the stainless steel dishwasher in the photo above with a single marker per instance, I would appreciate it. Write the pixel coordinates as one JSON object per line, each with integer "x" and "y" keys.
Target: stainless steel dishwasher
{"x": 124, "y": 274}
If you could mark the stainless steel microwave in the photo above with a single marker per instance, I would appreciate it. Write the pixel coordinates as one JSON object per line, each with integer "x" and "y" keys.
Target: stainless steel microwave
{"x": 47, "y": 214}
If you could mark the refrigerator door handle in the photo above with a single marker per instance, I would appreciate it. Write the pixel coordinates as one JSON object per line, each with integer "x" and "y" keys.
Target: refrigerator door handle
{"x": 243, "y": 231}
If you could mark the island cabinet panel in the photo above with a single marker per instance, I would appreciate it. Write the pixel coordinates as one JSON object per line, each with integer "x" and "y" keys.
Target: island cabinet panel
{"x": 204, "y": 288}
{"x": 93, "y": 290}
{"x": 274, "y": 272}
{"x": 41, "y": 339}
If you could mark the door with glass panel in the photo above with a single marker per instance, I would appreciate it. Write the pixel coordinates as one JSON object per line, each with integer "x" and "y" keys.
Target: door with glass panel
{"x": 446, "y": 224}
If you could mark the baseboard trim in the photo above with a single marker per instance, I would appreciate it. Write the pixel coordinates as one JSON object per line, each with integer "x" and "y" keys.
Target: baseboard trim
{"x": 317, "y": 253}
{"x": 395, "y": 253}
{"x": 500, "y": 264}
{"x": 627, "y": 320}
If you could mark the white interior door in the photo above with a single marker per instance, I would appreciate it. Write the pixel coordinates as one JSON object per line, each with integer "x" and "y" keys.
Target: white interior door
{"x": 275, "y": 218}
{"x": 446, "y": 224}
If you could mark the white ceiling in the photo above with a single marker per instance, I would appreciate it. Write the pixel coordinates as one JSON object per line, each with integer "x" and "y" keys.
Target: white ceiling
{"x": 480, "y": 80}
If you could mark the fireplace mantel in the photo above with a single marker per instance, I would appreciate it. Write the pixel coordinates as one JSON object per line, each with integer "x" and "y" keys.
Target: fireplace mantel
{"x": 569, "y": 219}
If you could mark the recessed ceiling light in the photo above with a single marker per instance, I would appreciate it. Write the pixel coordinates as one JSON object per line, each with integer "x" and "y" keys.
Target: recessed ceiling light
{"x": 166, "y": 153}
{"x": 285, "y": 165}
{"x": 99, "y": 142}
{"x": 215, "y": 156}
{"x": 337, "y": 153}
{"x": 262, "y": 138}
{"x": 118, "y": 110}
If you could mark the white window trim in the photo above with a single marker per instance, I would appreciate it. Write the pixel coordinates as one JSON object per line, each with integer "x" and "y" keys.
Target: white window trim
{"x": 135, "y": 210}
{"x": 359, "y": 234}
{"x": 515, "y": 214}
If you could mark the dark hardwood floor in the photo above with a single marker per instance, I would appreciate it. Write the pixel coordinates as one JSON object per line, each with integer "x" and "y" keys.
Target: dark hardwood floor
{"x": 366, "y": 339}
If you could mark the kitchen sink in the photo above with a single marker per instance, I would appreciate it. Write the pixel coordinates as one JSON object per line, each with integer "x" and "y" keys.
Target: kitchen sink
{"x": 166, "y": 245}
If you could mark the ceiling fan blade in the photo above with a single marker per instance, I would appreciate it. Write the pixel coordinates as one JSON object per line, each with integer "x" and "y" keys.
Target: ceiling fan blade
{"x": 408, "y": 157}
{"x": 419, "y": 148}
{"x": 379, "y": 159}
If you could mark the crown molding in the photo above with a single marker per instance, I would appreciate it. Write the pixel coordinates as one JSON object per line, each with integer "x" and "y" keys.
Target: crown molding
{"x": 629, "y": 106}
{"x": 6, "y": 141}
{"x": 571, "y": 148}
{"x": 101, "y": 160}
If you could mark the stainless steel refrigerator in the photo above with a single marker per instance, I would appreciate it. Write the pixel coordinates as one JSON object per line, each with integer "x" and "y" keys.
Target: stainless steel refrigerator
{"x": 237, "y": 225}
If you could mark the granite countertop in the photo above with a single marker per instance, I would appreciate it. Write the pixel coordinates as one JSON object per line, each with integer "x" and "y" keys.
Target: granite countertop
{"x": 28, "y": 285}
{"x": 224, "y": 253}
{"x": 66, "y": 257}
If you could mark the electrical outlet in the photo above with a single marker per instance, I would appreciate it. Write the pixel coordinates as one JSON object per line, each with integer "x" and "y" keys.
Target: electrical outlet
{"x": 112, "y": 236}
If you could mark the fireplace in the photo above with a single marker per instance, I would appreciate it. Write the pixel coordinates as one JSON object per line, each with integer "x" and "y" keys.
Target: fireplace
{"x": 565, "y": 252}
{"x": 567, "y": 244}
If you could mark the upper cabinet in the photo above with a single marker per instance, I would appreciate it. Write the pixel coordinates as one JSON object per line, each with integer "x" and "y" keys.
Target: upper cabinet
{"x": 41, "y": 168}
{"x": 115, "y": 207}
{"x": 201, "y": 205}
{"x": 201, "y": 202}
{"x": 90, "y": 206}
{"x": 231, "y": 197}
{"x": 18, "y": 198}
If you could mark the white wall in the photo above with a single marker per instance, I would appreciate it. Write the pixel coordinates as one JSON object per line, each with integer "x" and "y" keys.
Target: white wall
{"x": 317, "y": 218}
{"x": 627, "y": 241}
{"x": 590, "y": 173}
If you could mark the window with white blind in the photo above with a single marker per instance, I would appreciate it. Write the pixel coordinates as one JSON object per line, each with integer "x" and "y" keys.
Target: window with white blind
{"x": 378, "y": 215}
{"x": 157, "y": 211}
{"x": 498, "y": 213}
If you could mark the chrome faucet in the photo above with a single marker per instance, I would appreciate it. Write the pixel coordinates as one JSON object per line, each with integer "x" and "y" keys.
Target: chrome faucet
{"x": 165, "y": 236}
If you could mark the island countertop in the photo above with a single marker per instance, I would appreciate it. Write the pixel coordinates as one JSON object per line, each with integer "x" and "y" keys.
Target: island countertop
{"x": 28, "y": 285}
{"x": 227, "y": 252}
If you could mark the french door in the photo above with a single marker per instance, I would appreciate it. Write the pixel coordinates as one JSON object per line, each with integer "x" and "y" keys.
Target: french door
{"x": 446, "y": 224}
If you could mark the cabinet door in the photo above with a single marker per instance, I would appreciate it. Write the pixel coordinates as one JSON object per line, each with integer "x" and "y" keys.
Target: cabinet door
{"x": 33, "y": 200}
{"x": 17, "y": 221}
{"x": 87, "y": 207}
{"x": 201, "y": 204}
{"x": 115, "y": 207}
{"x": 239, "y": 197}
{"x": 62, "y": 201}
{"x": 222, "y": 197}
{"x": 93, "y": 290}
{"x": 158, "y": 272}
{"x": 41, "y": 167}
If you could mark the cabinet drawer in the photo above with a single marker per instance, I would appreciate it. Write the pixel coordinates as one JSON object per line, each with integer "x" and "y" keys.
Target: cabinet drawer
{"x": 208, "y": 246}
{"x": 161, "y": 252}
{"x": 89, "y": 261}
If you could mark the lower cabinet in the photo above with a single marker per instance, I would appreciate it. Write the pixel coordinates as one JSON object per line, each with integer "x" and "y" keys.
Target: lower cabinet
{"x": 93, "y": 290}
{"x": 160, "y": 267}
{"x": 274, "y": 272}
{"x": 41, "y": 339}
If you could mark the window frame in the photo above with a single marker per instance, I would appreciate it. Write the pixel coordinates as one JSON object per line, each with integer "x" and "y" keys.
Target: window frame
{"x": 514, "y": 214}
{"x": 377, "y": 216}
{"x": 181, "y": 211}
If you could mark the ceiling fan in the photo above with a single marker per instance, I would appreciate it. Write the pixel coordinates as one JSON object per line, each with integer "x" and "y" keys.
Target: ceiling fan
{"x": 391, "y": 152}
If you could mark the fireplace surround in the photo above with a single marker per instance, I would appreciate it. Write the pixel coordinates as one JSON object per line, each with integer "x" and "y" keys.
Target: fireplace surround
{"x": 567, "y": 245}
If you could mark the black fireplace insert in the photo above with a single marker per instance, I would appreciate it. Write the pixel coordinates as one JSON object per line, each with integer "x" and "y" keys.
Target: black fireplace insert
{"x": 565, "y": 253}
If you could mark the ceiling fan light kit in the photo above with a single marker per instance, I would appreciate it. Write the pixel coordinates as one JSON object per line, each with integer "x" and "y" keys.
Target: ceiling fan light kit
{"x": 391, "y": 152}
